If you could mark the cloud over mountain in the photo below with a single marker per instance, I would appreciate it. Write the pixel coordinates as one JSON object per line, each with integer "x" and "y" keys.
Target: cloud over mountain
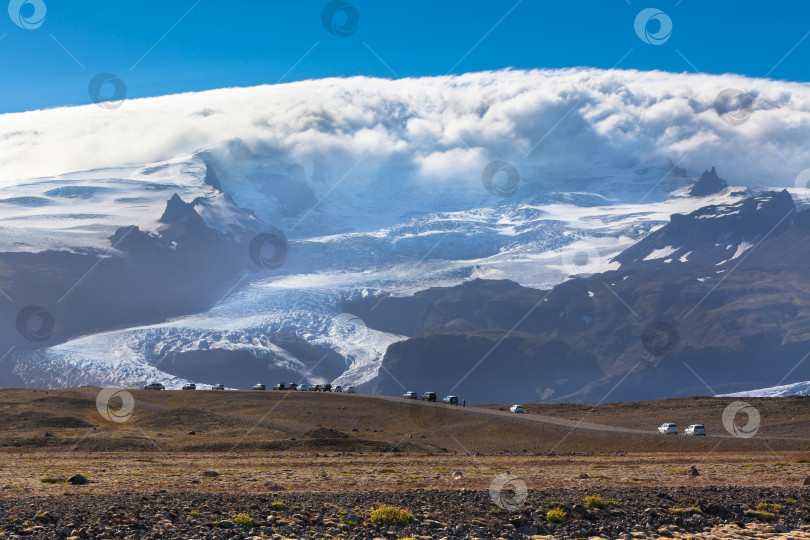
{"x": 549, "y": 124}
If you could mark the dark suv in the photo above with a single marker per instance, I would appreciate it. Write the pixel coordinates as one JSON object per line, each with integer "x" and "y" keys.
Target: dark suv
{"x": 429, "y": 396}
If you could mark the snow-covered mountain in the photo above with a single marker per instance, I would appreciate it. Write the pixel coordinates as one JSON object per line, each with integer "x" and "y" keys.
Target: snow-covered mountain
{"x": 795, "y": 389}
{"x": 374, "y": 187}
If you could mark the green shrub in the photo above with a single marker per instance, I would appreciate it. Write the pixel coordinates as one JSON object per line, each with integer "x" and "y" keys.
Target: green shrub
{"x": 278, "y": 505}
{"x": 49, "y": 480}
{"x": 555, "y": 515}
{"x": 243, "y": 519}
{"x": 594, "y": 501}
{"x": 391, "y": 515}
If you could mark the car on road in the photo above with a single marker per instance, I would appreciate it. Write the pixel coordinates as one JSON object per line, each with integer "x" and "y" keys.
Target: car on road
{"x": 410, "y": 395}
{"x": 668, "y": 429}
{"x": 339, "y": 389}
{"x": 259, "y": 386}
{"x": 516, "y": 408}
{"x": 695, "y": 429}
{"x": 189, "y": 386}
{"x": 302, "y": 387}
{"x": 280, "y": 386}
{"x": 218, "y": 387}
{"x": 349, "y": 390}
{"x": 429, "y": 396}
{"x": 452, "y": 400}
{"x": 316, "y": 388}
{"x": 154, "y": 386}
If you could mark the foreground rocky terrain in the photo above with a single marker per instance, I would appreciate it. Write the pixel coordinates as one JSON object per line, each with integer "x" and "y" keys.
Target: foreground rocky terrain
{"x": 236, "y": 465}
{"x": 618, "y": 513}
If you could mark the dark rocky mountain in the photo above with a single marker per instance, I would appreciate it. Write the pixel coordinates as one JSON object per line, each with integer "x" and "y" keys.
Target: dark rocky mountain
{"x": 708, "y": 184}
{"x": 145, "y": 277}
{"x": 722, "y": 319}
{"x": 714, "y": 234}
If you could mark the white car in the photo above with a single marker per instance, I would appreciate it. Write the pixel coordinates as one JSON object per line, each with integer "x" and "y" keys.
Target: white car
{"x": 668, "y": 429}
{"x": 302, "y": 387}
{"x": 516, "y": 408}
{"x": 349, "y": 390}
{"x": 154, "y": 386}
{"x": 259, "y": 386}
{"x": 189, "y": 386}
{"x": 218, "y": 387}
{"x": 695, "y": 429}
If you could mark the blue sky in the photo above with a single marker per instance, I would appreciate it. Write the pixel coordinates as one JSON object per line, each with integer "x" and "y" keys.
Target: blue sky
{"x": 175, "y": 46}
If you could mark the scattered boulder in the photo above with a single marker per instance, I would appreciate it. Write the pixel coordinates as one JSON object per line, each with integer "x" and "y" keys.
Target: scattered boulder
{"x": 584, "y": 475}
{"x": 693, "y": 471}
{"x": 806, "y": 481}
{"x": 78, "y": 480}
{"x": 458, "y": 475}
{"x": 210, "y": 474}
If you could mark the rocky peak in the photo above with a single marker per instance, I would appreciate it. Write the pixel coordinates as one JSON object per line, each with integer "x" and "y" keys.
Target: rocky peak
{"x": 708, "y": 184}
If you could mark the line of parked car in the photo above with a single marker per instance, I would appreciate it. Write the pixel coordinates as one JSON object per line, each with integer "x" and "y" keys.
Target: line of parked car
{"x": 431, "y": 396}
{"x": 669, "y": 428}
{"x": 260, "y": 386}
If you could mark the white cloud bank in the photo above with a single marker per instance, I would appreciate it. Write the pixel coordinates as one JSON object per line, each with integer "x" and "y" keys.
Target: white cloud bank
{"x": 439, "y": 129}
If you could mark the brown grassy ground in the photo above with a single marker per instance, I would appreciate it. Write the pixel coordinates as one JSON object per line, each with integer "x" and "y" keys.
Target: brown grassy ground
{"x": 46, "y": 474}
{"x": 306, "y": 441}
{"x": 68, "y": 420}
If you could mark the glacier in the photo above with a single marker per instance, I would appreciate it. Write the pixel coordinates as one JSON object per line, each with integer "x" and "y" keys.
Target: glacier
{"x": 393, "y": 201}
